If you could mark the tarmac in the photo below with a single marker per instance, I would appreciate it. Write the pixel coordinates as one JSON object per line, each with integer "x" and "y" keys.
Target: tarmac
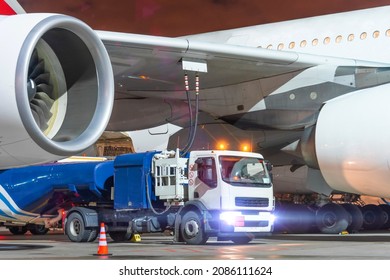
{"x": 56, "y": 246}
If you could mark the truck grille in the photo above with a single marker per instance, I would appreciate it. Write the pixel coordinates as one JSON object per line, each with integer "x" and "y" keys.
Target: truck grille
{"x": 252, "y": 201}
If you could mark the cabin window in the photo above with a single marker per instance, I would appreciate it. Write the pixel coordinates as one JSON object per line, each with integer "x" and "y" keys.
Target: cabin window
{"x": 326, "y": 40}
{"x": 207, "y": 171}
{"x": 388, "y": 32}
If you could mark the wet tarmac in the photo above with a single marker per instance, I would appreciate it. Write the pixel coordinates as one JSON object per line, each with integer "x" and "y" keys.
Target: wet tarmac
{"x": 56, "y": 246}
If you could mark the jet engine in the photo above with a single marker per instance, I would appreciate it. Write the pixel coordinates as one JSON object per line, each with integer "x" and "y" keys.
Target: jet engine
{"x": 56, "y": 87}
{"x": 351, "y": 142}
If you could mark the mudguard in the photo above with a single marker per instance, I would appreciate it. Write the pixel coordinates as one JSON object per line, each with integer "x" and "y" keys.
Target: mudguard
{"x": 90, "y": 216}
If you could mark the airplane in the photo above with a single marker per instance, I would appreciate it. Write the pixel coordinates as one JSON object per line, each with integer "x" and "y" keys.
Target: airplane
{"x": 309, "y": 94}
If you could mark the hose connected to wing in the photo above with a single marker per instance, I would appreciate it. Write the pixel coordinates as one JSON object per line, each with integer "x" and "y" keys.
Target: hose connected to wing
{"x": 193, "y": 123}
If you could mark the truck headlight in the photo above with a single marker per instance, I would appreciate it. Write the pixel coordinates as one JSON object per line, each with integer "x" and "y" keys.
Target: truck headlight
{"x": 272, "y": 218}
{"x": 232, "y": 218}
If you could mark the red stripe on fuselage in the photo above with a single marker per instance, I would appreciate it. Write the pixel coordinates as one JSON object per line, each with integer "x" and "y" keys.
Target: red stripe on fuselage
{"x": 5, "y": 9}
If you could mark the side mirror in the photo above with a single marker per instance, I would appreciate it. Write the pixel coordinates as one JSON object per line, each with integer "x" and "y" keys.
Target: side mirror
{"x": 268, "y": 165}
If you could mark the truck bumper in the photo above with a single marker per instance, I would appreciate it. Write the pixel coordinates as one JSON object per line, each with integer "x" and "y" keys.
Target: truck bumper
{"x": 236, "y": 222}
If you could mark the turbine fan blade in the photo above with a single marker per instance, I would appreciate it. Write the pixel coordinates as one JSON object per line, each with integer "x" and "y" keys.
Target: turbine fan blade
{"x": 40, "y": 91}
{"x": 45, "y": 97}
{"x": 43, "y": 78}
{"x": 39, "y": 118}
{"x": 48, "y": 89}
{"x": 43, "y": 107}
{"x": 33, "y": 62}
{"x": 38, "y": 69}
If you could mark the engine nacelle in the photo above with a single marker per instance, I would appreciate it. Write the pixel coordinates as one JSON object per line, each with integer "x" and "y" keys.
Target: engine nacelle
{"x": 57, "y": 88}
{"x": 352, "y": 141}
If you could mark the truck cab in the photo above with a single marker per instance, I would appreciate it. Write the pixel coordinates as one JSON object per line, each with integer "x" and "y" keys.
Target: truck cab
{"x": 232, "y": 192}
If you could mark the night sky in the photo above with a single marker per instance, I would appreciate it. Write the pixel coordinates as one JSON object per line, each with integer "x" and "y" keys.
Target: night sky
{"x": 178, "y": 17}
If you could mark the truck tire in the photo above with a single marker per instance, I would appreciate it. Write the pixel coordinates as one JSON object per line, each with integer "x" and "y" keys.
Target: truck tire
{"x": 76, "y": 231}
{"x": 120, "y": 236}
{"x": 17, "y": 230}
{"x": 191, "y": 229}
{"x": 242, "y": 240}
{"x": 38, "y": 229}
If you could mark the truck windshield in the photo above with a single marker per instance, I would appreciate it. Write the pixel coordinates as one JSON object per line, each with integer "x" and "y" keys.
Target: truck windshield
{"x": 244, "y": 171}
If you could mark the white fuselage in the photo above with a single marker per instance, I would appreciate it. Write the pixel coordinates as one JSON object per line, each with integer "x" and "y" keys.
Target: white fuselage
{"x": 362, "y": 34}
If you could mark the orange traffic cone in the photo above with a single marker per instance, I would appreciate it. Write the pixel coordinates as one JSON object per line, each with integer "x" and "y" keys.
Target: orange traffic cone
{"x": 103, "y": 248}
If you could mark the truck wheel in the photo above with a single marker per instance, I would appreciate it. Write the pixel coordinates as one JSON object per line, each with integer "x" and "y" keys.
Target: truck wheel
{"x": 242, "y": 240}
{"x": 15, "y": 230}
{"x": 120, "y": 236}
{"x": 191, "y": 229}
{"x": 76, "y": 231}
{"x": 38, "y": 229}
{"x": 93, "y": 235}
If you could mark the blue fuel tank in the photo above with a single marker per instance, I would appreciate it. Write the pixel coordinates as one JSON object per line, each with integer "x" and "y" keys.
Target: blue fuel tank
{"x": 42, "y": 189}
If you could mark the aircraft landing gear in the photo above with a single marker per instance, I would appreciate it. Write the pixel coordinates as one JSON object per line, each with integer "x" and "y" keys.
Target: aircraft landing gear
{"x": 332, "y": 218}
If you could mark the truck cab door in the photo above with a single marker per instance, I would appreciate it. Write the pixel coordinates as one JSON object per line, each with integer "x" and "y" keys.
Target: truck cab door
{"x": 205, "y": 185}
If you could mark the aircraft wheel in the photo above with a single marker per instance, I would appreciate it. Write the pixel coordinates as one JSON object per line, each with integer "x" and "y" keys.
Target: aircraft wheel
{"x": 293, "y": 218}
{"x": 17, "y": 230}
{"x": 386, "y": 209}
{"x": 76, "y": 231}
{"x": 332, "y": 218}
{"x": 356, "y": 221}
{"x": 191, "y": 229}
{"x": 373, "y": 217}
{"x": 38, "y": 229}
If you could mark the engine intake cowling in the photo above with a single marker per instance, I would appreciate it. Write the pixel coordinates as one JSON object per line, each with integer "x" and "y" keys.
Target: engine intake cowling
{"x": 57, "y": 88}
{"x": 352, "y": 142}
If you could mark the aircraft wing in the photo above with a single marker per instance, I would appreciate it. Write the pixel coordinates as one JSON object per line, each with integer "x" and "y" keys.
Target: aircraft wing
{"x": 144, "y": 64}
